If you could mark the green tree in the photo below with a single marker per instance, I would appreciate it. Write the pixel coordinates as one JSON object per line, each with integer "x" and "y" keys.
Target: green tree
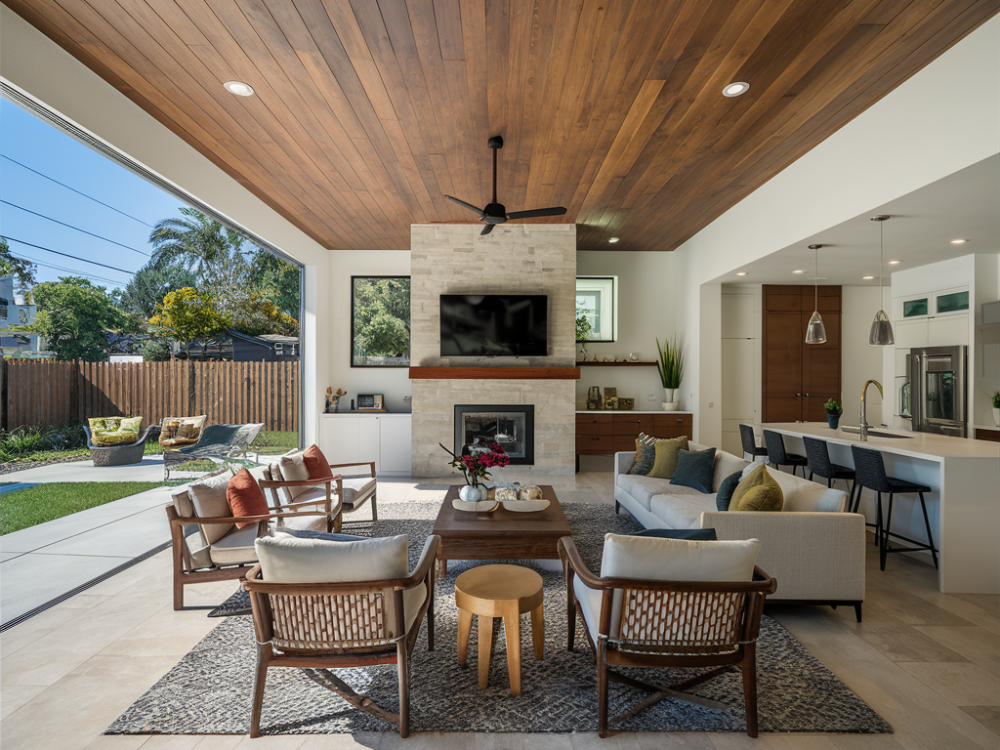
{"x": 278, "y": 279}
{"x": 252, "y": 312}
{"x": 215, "y": 254}
{"x": 155, "y": 350}
{"x": 150, "y": 285}
{"x": 22, "y": 270}
{"x": 74, "y": 315}
{"x": 384, "y": 336}
{"x": 187, "y": 315}
{"x": 381, "y": 317}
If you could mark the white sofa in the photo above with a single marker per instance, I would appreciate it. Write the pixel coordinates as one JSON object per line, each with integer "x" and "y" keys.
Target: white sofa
{"x": 812, "y": 548}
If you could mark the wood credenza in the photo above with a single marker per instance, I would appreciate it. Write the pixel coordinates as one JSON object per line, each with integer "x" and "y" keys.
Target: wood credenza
{"x": 600, "y": 433}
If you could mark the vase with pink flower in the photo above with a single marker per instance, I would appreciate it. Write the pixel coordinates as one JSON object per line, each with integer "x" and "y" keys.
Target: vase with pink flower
{"x": 475, "y": 466}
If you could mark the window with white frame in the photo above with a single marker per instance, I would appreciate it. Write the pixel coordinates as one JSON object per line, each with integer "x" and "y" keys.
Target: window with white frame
{"x": 597, "y": 304}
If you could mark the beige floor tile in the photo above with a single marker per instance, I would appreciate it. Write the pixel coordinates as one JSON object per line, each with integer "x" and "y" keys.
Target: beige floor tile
{"x": 361, "y": 741}
{"x": 975, "y": 644}
{"x": 988, "y": 716}
{"x": 219, "y": 742}
{"x": 171, "y": 742}
{"x": 901, "y": 642}
{"x": 960, "y": 684}
{"x": 118, "y": 742}
{"x": 866, "y": 742}
{"x": 20, "y": 636}
{"x": 12, "y": 697}
{"x": 288, "y": 742}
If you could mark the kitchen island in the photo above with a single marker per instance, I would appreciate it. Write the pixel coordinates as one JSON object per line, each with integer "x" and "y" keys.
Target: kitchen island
{"x": 964, "y": 506}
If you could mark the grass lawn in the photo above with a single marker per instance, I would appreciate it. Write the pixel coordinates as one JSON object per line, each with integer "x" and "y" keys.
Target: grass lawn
{"x": 44, "y": 502}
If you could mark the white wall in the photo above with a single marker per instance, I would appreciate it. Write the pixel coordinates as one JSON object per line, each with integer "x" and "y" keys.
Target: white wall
{"x": 944, "y": 118}
{"x": 645, "y": 313}
{"x": 33, "y": 63}
{"x": 392, "y": 382}
{"x": 858, "y": 361}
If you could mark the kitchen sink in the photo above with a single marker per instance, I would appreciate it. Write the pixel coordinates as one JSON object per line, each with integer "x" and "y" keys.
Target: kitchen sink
{"x": 875, "y": 433}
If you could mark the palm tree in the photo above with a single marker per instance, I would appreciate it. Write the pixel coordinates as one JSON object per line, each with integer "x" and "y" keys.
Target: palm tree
{"x": 214, "y": 253}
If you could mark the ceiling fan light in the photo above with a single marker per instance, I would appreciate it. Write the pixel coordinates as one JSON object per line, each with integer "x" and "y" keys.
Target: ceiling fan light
{"x": 881, "y": 332}
{"x": 816, "y": 331}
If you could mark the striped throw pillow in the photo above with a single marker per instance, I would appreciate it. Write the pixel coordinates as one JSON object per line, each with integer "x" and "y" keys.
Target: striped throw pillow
{"x": 645, "y": 454}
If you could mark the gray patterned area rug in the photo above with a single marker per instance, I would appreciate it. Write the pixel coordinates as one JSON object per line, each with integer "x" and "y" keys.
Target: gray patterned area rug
{"x": 209, "y": 690}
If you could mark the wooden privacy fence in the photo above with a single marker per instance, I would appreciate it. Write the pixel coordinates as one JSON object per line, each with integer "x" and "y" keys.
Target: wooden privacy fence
{"x": 46, "y": 392}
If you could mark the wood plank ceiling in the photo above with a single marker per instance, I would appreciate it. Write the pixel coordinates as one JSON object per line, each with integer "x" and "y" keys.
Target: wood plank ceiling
{"x": 366, "y": 113}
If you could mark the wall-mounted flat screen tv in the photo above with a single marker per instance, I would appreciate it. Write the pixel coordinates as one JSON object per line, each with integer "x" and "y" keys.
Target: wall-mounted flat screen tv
{"x": 494, "y": 325}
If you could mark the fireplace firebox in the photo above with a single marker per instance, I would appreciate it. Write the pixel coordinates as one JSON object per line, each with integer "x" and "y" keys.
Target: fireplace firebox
{"x": 511, "y": 425}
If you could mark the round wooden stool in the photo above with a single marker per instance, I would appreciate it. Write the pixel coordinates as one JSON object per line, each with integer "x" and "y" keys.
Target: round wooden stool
{"x": 506, "y": 591}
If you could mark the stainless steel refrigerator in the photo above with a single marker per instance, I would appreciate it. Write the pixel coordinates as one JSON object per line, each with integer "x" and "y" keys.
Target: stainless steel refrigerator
{"x": 938, "y": 387}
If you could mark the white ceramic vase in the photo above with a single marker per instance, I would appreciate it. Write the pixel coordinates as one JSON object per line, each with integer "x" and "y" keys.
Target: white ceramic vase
{"x": 996, "y": 417}
{"x": 471, "y": 494}
{"x": 668, "y": 403}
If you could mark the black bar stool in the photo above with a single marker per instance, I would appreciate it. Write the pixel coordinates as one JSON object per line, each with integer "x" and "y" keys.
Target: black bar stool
{"x": 777, "y": 456}
{"x": 869, "y": 468}
{"x": 750, "y": 443}
{"x": 818, "y": 458}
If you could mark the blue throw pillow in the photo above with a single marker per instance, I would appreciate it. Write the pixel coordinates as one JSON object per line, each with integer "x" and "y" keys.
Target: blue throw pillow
{"x": 695, "y": 469}
{"x": 695, "y": 535}
{"x": 327, "y": 535}
{"x": 726, "y": 490}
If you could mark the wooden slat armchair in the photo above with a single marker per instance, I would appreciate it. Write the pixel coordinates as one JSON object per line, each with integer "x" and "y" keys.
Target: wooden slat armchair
{"x": 196, "y": 560}
{"x": 355, "y": 490}
{"x": 322, "y": 498}
{"x": 340, "y": 625}
{"x": 644, "y": 623}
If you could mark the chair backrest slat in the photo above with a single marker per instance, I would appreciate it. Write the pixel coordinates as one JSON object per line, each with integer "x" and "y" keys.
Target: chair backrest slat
{"x": 707, "y": 620}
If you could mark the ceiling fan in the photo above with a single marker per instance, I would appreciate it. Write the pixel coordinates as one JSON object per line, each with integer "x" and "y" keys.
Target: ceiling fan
{"x": 496, "y": 213}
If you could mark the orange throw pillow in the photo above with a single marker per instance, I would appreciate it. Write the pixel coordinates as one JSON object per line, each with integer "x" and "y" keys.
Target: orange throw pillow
{"x": 316, "y": 463}
{"x": 245, "y": 497}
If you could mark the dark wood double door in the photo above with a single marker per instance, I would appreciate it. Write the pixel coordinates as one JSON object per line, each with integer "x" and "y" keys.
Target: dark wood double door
{"x": 798, "y": 377}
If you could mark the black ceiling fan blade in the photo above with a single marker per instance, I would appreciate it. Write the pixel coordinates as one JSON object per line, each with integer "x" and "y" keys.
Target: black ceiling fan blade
{"x": 487, "y": 229}
{"x": 470, "y": 206}
{"x": 532, "y": 213}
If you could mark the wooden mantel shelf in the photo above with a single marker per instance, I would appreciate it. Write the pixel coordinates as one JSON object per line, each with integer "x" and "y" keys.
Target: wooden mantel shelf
{"x": 494, "y": 373}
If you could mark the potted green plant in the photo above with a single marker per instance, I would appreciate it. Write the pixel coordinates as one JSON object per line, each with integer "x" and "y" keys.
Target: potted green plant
{"x": 996, "y": 408}
{"x": 583, "y": 329}
{"x": 833, "y": 412}
{"x": 670, "y": 365}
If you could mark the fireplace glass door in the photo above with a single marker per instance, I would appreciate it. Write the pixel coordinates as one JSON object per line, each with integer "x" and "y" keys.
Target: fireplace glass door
{"x": 512, "y": 426}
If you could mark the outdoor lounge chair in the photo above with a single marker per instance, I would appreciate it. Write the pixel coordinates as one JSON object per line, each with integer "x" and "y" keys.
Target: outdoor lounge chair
{"x": 644, "y": 622}
{"x": 208, "y": 555}
{"x": 218, "y": 442}
{"x": 120, "y": 455}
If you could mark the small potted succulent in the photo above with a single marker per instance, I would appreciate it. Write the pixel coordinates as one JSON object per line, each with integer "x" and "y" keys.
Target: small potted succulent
{"x": 996, "y": 408}
{"x": 833, "y": 412}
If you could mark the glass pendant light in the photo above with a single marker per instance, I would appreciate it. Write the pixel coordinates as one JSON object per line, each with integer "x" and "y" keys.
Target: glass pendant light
{"x": 816, "y": 331}
{"x": 881, "y": 332}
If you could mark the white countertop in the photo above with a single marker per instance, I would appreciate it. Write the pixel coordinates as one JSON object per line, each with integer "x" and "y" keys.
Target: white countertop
{"x": 916, "y": 444}
{"x": 990, "y": 427}
{"x": 629, "y": 411}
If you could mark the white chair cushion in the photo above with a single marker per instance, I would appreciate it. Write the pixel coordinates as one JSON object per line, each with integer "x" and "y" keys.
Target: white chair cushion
{"x": 292, "y": 467}
{"x": 643, "y": 488}
{"x": 288, "y": 559}
{"x": 307, "y": 523}
{"x": 209, "y": 498}
{"x": 657, "y": 559}
{"x": 682, "y": 511}
{"x": 182, "y": 503}
{"x": 590, "y": 605}
{"x": 236, "y": 547}
{"x": 413, "y": 600}
{"x": 357, "y": 489}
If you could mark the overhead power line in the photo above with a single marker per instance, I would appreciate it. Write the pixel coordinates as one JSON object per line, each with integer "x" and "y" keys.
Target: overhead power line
{"x": 63, "y": 223}
{"x": 73, "y": 271}
{"x": 78, "y": 192}
{"x": 67, "y": 255}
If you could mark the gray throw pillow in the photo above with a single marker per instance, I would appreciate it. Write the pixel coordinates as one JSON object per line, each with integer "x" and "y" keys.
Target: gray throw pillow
{"x": 695, "y": 469}
{"x": 726, "y": 489}
{"x": 645, "y": 455}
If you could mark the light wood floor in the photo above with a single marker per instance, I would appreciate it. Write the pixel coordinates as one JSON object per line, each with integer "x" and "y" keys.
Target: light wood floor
{"x": 927, "y": 662}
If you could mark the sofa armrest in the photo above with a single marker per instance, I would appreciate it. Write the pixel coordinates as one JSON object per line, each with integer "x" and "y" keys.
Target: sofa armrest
{"x": 623, "y": 460}
{"x": 812, "y": 556}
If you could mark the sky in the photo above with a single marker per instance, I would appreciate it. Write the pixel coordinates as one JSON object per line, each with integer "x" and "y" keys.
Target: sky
{"x": 26, "y": 140}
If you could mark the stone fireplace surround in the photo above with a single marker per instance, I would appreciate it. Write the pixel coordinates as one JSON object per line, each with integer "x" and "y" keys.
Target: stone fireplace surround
{"x": 513, "y": 259}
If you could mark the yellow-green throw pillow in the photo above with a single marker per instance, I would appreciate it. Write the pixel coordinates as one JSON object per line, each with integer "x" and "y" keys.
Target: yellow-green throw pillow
{"x": 763, "y": 495}
{"x": 751, "y": 480}
{"x": 666, "y": 456}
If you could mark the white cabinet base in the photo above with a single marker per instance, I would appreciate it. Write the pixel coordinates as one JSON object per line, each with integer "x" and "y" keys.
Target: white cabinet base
{"x": 382, "y": 438}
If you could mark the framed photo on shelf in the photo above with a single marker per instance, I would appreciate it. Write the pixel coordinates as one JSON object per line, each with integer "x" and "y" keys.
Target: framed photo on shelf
{"x": 371, "y": 402}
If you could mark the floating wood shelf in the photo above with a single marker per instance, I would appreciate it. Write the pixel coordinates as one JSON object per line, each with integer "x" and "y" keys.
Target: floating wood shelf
{"x": 617, "y": 364}
{"x": 494, "y": 373}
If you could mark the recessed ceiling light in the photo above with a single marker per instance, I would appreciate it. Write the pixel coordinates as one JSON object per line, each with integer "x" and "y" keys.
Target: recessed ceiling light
{"x": 741, "y": 273}
{"x": 867, "y": 278}
{"x": 958, "y": 242}
{"x": 735, "y": 89}
{"x": 613, "y": 240}
{"x": 239, "y": 88}
{"x": 894, "y": 262}
{"x": 798, "y": 270}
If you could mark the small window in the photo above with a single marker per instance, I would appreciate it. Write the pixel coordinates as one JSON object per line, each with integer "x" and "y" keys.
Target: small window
{"x": 947, "y": 303}
{"x": 915, "y": 307}
{"x": 380, "y": 321}
{"x": 596, "y": 308}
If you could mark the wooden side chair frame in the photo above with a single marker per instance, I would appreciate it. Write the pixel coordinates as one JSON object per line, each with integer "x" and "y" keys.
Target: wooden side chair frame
{"x": 351, "y": 507}
{"x": 737, "y": 607}
{"x": 364, "y": 624}
{"x": 333, "y": 511}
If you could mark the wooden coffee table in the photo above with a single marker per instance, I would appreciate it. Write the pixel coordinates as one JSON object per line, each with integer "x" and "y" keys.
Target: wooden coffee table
{"x": 500, "y": 535}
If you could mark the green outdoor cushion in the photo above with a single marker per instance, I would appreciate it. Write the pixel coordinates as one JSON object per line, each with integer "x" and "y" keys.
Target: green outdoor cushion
{"x": 726, "y": 489}
{"x": 695, "y": 469}
{"x": 114, "y": 430}
{"x": 666, "y": 456}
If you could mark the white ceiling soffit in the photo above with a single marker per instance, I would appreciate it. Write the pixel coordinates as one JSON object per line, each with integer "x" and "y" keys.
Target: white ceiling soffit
{"x": 964, "y": 205}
